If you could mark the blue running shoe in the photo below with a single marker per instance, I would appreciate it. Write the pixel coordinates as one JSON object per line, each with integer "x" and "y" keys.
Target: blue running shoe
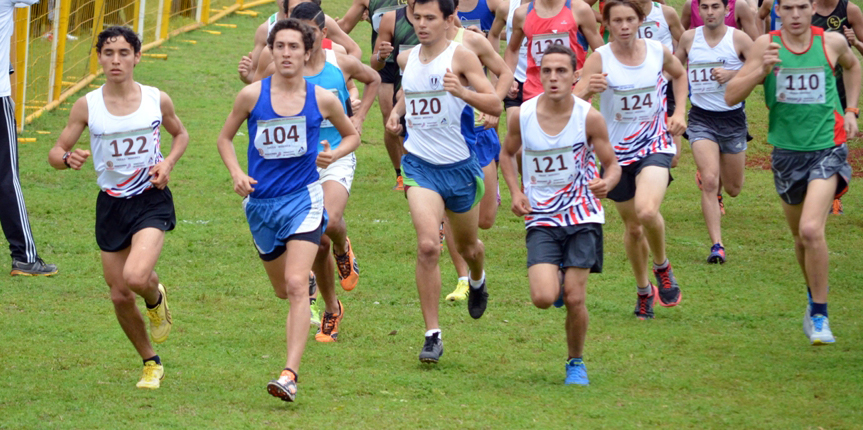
{"x": 559, "y": 302}
{"x": 576, "y": 373}
{"x": 717, "y": 254}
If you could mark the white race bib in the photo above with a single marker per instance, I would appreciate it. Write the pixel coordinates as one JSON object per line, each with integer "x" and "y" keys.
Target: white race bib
{"x": 701, "y": 78}
{"x": 803, "y": 85}
{"x": 553, "y": 167}
{"x": 376, "y": 17}
{"x": 326, "y": 123}
{"x": 636, "y": 105}
{"x": 648, "y": 29}
{"x": 541, "y": 42}
{"x": 426, "y": 109}
{"x": 129, "y": 150}
{"x": 281, "y": 138}
{"x": 465, "y": 23}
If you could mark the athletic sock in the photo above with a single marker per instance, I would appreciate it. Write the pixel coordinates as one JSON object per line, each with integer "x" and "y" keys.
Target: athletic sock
{"x": 158, "y": 302}
{"x": 574, "y": 360}
{"x": 662, "y": 266}
{"x": 477, "y": 284}
{"x": 463, "y": 278}
{"x": 398, "y": 172}
{"x": 809, "y": 294}
{"x": 153, "y": 358}
{"x": 433, "y": 331}
{"x": 644, "y": 291}
{"x": 818, "y": 308}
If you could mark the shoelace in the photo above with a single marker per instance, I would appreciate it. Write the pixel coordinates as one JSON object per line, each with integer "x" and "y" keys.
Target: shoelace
{"x": 329, "y": 323}
{"x": 149, "y": 372}
{"x": 154, "y": 316}
{"x": 642, "y": 304}
{"x": 818, "y": 323}
{"x": 665, "y": 278}
{"x": 344, "y": 264}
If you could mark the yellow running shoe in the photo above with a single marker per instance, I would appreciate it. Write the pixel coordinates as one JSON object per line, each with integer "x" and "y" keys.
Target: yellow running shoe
{"x": 153, "y": 375}
{"x": 460, "y": 292}
{"x": 160, "y": 318}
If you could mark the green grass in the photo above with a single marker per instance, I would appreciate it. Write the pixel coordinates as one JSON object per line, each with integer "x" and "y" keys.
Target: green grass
{"x": 731, "y": 355}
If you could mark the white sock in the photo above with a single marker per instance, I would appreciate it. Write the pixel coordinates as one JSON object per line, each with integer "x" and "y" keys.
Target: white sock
{"x": 462, "y": 278}
{"x": 433, "y": 331}
{"x": 477, "y": 284}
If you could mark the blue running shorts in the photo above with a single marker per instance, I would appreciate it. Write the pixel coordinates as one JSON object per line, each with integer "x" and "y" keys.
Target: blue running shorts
{"x": 275, "y": 221}
{"x": 460, "y": 184}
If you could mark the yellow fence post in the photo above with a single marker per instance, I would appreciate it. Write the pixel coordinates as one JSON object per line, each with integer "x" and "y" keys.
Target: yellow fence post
{"x": 22, "y": 36}
{"x": 99, "y": 23}
{"x": 63, "y": 29}
{"x": 205, "y": 11}
{"x": 166, "y": 15}
{"x": 240, "y": 2}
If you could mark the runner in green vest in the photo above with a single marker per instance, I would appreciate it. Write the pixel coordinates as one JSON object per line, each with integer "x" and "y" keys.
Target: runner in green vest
{"x": 808, "y": 130}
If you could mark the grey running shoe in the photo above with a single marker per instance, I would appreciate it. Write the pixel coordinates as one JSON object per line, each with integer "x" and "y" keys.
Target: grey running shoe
{"x": 432, "y": 349}
{"x": 644, "y": 304}
{"x": 477, "y": 300}
{"x": 36, "y": 268}
{"x": 285, "y": 387}
{"x": 669, "y": 290}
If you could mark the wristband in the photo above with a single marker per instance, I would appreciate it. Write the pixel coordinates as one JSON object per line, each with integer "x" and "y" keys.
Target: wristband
{"x": 379, "y": 56}
{"x": 66, "y": 159}
{"x": 855, "y": 111}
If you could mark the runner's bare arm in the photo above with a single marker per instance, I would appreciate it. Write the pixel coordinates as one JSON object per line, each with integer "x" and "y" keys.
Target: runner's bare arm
{"x": 753, "y": 71}
{"x": 508, "y": 166}
{"x": 243, "y": 105}
{"x": 597, "y": 136}
{"x": 369, "y": 77}
{"x": 673, "y": 67}
{"x": 160, "y": 173}
{"x": 682, "y": 51}
{"x": 686, "y": 14}
{"x": 331, "y": 109}
{"x": 587, "y": 24}
{"x": 673, "y": 21}
{"x": 260, "y": 44}
{"x": 846, "y": 59}
{"x": 335, "y": 33}
{"x": 748, "y": 23}
{"x": 498, "y": 25}
{"x": 353, "y": 15}
{"x": 78, "y": 117}
{"x": 491, "y": 59}
{"x": 384, "y": 43}
{"x": 466, "y": 64}
{"x": 593, "y": 80}
{"x": 764, "y": 10}
{"x": 855, "y": 20}
{"x": 510, "y": 55}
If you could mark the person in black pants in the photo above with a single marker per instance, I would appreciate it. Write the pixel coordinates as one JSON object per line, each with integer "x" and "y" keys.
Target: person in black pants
{"x": 13, "y": 212}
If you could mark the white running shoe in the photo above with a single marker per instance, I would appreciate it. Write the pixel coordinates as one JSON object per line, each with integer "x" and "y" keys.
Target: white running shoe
{"x": 817, "y": 329}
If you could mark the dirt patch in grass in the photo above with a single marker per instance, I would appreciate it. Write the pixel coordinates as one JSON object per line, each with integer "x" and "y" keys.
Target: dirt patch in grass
{"x": 855, "y": 158}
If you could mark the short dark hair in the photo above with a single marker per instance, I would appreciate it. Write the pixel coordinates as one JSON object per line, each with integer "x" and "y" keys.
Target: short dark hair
{"x": 561, "y": 49}
{"x": 606, "y": 11}
{"x": 310, "y": 12}
{"x": 286, "y": 2}
{"x": 116, "y": 31}
{"x": 292, "y": 24}
{"x": 780, "y": 2}
{"x": 724, "y": 2}
{"x": 446, "y": 6}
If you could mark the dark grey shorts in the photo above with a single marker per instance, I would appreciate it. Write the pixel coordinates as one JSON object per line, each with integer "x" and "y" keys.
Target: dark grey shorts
{"x": 625, "y": 189}
{"x": 792, "y": 171}
{"x": 727, "y": 129}
{"x": 570, "y": 246}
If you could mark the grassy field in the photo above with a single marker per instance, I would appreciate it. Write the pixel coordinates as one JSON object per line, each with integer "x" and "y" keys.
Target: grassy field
{"x": 731, "y": 355}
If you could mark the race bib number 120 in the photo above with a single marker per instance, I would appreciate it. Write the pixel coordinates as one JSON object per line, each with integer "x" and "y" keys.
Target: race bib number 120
{"x": 540, "y": 42}
{"x": 281, "y": 138}
{"x": 425, "y": 109}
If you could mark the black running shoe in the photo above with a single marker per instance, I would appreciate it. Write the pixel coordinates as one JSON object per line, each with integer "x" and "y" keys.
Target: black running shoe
{"x": 477, "y": 300}
{"x": 36, "y": 268}
{"x": 669, "y": 291}
{"x": 644, "y": 304}
{"x": 432, "y": 349}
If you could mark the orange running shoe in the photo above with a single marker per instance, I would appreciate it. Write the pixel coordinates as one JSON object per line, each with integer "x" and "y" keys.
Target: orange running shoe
{"x": 285, "y": 387}
{"x": 698, "y": 179}
{"x": 400, "y": 184}
{"x": 329, "y": 331}
{"x": 721, "y": 204}
{"x": 349, "y": 270}
{"x": 837, "y": 207}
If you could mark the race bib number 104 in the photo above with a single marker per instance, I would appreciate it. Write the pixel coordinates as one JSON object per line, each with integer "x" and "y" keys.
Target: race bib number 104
{"x": 281, "y": 138}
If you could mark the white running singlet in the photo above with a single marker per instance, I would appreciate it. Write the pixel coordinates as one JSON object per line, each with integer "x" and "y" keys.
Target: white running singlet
{"x": 656, "y": 28}
{"x": 556, "y": 170}
{"x": 125, "y": 147}
{"x": 436, "y": 120}
{"x": 704, "y": 91}
{"x": 521, "y": 67}
{"x": 633, "y": 105}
